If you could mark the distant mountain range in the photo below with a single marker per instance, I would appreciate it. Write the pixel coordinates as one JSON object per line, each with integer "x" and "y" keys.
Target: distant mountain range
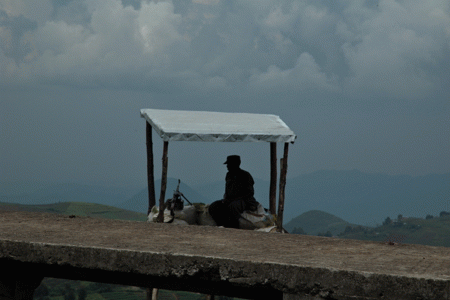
{"x": 354, "y": 196}
{"x": 48, "y": 193}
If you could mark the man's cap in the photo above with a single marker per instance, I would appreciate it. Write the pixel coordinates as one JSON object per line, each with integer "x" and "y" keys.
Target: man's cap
{"x": 233, "y": 159}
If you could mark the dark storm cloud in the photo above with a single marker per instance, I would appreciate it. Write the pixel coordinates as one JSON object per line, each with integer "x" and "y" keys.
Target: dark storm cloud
{"x": 14, "y": 30}
{"x": 393, "y": 47}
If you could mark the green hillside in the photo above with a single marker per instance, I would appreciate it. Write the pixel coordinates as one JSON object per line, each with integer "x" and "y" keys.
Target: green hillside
{"x": 79, "y": 209}
{"x": 316, "y": 222}
{"x": 430, "y": 231}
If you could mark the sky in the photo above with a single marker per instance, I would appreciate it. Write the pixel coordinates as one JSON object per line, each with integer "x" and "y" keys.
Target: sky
{"x": 363, "y": 84}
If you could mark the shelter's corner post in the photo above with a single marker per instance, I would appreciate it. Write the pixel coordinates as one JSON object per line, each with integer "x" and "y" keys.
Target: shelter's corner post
{"x": 150, "y": 168}
{"x": 163, "y": 183}
{"x": 283, "y": 172}
{"x": 273, "y": 179}
{"x": 152, "y": 294}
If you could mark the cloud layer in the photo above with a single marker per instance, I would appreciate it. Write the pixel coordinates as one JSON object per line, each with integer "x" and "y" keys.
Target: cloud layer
{"x": 389, "y": 47}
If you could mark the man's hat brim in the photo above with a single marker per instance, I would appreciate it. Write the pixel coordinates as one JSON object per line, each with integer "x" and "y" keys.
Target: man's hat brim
{"x": 233, "y": 159}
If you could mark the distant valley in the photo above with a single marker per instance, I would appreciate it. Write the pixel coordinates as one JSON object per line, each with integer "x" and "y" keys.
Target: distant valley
{"x": 354, "y": 196}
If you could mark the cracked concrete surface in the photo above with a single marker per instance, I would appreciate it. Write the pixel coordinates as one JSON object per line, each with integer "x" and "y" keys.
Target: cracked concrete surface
{"x": 222, "y": 261}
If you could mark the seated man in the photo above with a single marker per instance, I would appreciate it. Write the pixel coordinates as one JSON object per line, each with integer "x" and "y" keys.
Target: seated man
{"x": 238, "y": 195}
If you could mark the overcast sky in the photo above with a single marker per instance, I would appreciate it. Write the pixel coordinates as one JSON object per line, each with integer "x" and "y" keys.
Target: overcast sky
{"x": 363, "y": 84}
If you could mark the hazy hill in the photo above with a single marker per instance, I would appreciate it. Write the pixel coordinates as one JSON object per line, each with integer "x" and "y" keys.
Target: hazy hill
{"x": 79, "y": 209}
{"x": 432, "y": 231}
{"x": 314, "y": 222}
{"x": 364, "y": 198}
{"x": 47, "y": 193}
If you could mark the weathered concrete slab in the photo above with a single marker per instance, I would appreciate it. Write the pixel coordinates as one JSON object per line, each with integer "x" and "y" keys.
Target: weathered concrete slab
{"x": 219, "y": 260}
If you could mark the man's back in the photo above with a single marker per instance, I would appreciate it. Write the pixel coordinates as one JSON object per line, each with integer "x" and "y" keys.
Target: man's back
{"x": 239, "y": 184}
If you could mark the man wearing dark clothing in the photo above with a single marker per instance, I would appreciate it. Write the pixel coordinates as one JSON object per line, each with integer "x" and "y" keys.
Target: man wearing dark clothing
{"x": 238, "y": 195}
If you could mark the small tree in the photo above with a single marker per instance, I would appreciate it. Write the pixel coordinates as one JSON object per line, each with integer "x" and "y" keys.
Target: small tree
{"x": 387, "y": 221}
{"x": 428, "y": 217}
{"x": 444, "y": 214}
{"x": 327, "y": 234}
{"x": 298, "y": 230}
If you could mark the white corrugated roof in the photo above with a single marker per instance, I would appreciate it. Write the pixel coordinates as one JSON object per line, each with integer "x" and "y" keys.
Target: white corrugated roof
{"x": 203, "y": 126}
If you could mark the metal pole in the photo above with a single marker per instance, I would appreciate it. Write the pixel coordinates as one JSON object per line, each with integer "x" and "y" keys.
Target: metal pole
{"x": 273, "y": 179}
{"x": 150, "y": 169}
{"x": 163, "y": 183}
{"x": 282, "y": 188}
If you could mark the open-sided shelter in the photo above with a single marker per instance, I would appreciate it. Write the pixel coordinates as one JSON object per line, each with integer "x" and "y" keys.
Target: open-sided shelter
{"x": 203, "y": 126}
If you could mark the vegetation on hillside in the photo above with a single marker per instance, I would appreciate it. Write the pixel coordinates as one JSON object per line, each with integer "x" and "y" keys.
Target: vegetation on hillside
{"x": 432, "y": 231}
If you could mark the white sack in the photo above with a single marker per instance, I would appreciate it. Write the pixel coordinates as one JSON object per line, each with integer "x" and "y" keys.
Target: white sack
{"x": 188, "y": 214}
{"x": 203, "y": 216}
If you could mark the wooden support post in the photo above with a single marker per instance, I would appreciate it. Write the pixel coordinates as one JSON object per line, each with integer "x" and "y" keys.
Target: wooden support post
{"x": 273, "y": 179}
{"x": 150, "y": 169}
{"x": 283, "y": 166}
{"x": 155, "y": 294}
{"x": 163, "y": 183}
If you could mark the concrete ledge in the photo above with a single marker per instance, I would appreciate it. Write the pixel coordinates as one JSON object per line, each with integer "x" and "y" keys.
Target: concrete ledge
{"x": 221, "y": 261}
